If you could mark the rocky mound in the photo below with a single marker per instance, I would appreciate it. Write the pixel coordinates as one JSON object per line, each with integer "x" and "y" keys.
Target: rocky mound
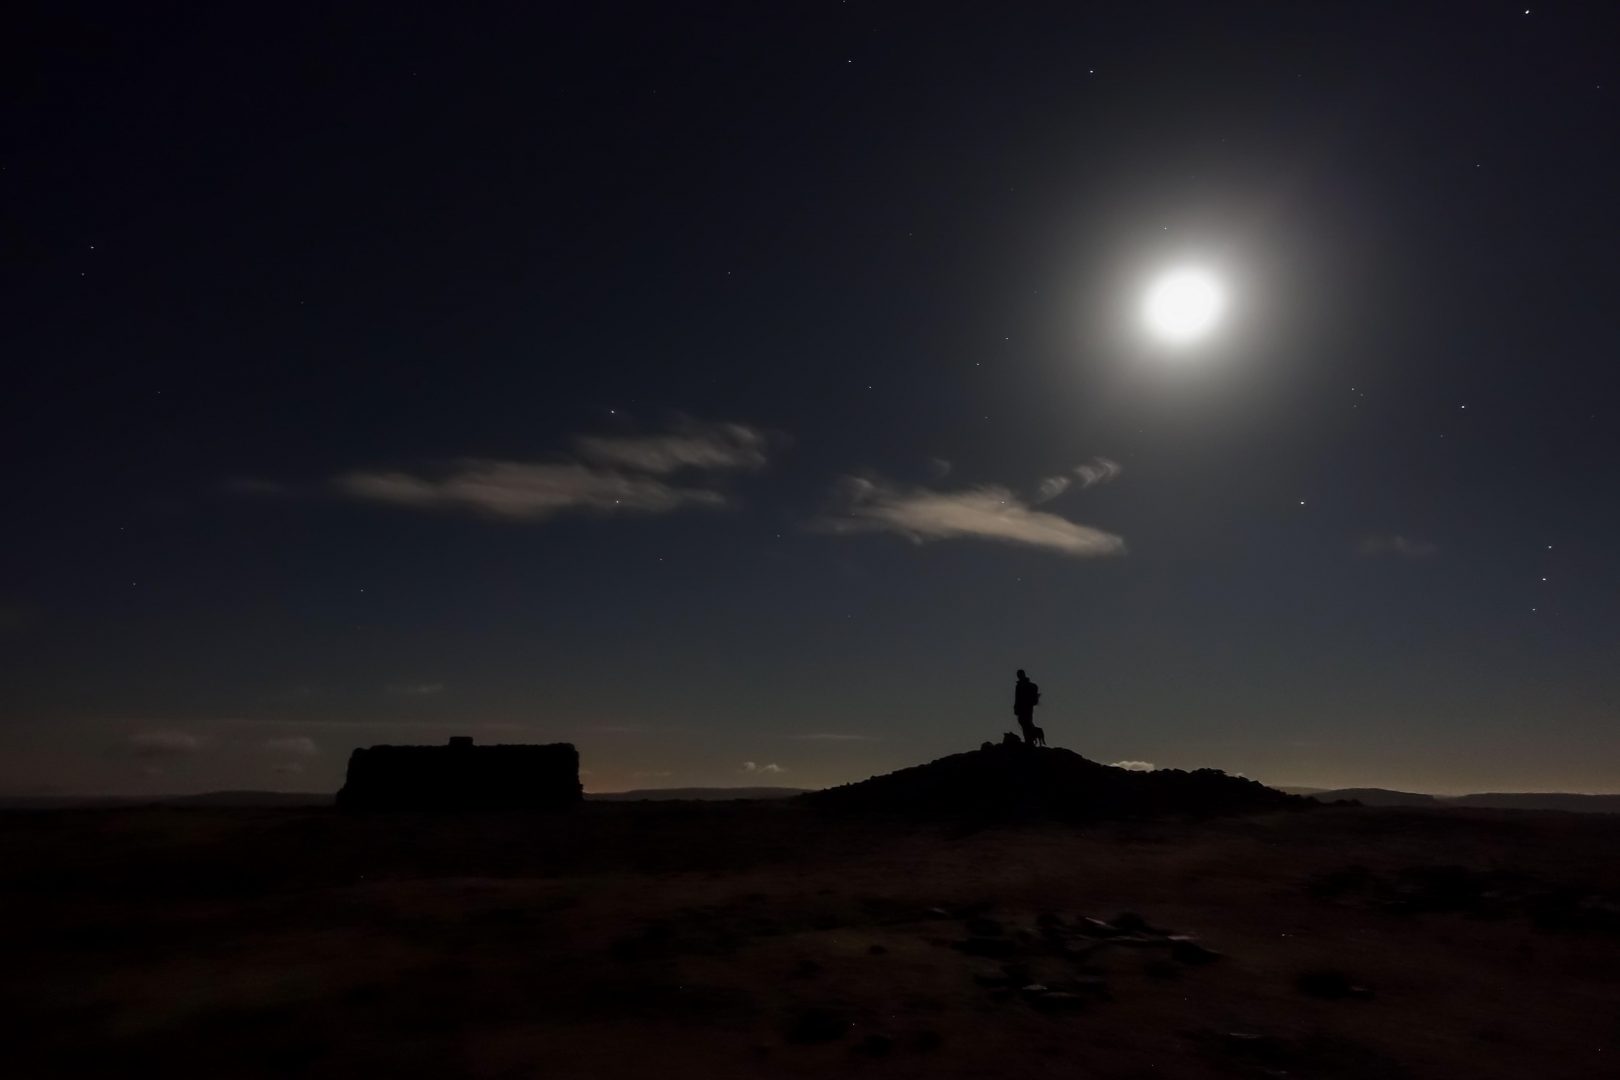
{"x": 1016, "y": 781}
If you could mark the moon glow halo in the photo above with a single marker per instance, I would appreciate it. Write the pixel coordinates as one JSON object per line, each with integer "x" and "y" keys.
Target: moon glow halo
{"x": 1183, "y": 305}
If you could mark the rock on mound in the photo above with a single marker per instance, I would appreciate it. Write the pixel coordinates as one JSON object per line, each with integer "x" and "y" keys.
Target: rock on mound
{"x": 1012, "y": 781}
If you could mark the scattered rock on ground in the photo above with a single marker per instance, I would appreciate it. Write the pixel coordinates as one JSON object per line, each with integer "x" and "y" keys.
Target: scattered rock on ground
{"x": 926, "y": 1041}
{"x": 876, "y": 1045}
{"x": 1329, "y": 983}
{"x": 818, "y": 1025}
{"x": 1185, "y": 950}
{"x": 1058, "y": 1001}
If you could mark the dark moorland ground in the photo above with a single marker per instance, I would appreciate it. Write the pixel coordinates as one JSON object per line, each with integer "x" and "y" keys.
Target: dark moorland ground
{"x": 768, "y": 939}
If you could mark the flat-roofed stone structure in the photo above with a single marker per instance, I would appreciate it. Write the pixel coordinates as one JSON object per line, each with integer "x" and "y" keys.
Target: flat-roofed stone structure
{"x": 461, "y": 776}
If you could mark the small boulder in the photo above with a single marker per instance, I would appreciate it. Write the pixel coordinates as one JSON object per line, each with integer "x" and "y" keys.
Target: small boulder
{"x": 1184, "y": 950}
{"x": 1330, "y": 984}
{"x": 1058, "y": 1001}
{"x": 1132, "y": 923}
{"x": 1095, "y": 985}
{"x": 876, "y": 1045}
{"x": 984, "y": 946}
{"x": 818, "y": 1025}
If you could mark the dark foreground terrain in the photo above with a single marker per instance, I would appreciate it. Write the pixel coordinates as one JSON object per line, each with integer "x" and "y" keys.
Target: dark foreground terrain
{"x": 772, "y": 939}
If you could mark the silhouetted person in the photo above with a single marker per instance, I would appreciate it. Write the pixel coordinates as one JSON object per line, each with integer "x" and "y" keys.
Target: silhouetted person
{"x": 1026, "y": 695}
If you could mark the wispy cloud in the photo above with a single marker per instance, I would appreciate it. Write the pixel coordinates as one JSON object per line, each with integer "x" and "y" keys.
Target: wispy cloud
{"x": 984, "y": 513}
{"x": 515, "y": 489}
{"x": 1134, "y": 766}
{"x": 1051, "y": 488}
{"x": 421, "y": 689}
{"x": 651, "y": 774}
{"x": 157, "y": 744}
{"x": 692, "y": 445}
{"x": 614, "y": 475}
{"x": 762, "y": 770}
{"x": 1399, "y": 546}
{"x": 1099, "y": 470}
{"x": 295, "y": 745}
{"x": 288, "y": 768}
{"x": 832, "y": 736}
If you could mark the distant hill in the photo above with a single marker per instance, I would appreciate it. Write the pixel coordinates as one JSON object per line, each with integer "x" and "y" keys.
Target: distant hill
{"x": 1539, "y": 800}
{"x": 1493, "y": 800}
{"x": 311, "y": 798}
{"x": 1373, "y": 796}
{"x": 207, "y": 798}
{"x": 708, "y": 794}
{"x": 1497, "y": 800}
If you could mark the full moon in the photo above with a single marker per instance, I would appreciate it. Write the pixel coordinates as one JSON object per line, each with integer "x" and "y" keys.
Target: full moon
{"x": 1183, "y": 306}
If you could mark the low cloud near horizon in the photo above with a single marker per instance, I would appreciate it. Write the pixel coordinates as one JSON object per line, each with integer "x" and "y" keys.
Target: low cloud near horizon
{"x": 611, "y": 474}
{"x": 296, "y": 745}
{"x": 422, "y": 689}
{"x": 984, "y": 513}
{"x": 155, "y": 744}
{"x": 831, "y": 736}
{"x": 1134, "y": 766}
{"x": 757, "y": 769}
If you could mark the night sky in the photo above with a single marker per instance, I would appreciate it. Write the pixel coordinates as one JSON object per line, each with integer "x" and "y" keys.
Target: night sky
{"x": 743, "y": 393}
